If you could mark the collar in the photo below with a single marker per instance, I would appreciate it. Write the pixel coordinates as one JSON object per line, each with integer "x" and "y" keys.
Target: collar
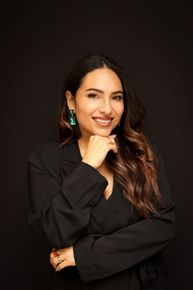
{"x": 71, "y": 152}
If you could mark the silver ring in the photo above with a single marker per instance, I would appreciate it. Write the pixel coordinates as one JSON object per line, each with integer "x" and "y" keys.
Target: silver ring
{"x": 111, "y": 141}
{"x": 59, "y": 260}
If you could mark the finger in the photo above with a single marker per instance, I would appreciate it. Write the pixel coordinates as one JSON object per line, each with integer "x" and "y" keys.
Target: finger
{"x": 62, "y": 265}
{"x": 114, "y": 149}
{"x": 111, "y": 141}
{"x": 113, "y": 146}
{"x": 53, "y": 254}
{"x": 53, "y": 262}
{"x": 56, "y": 261}
{"x": 113, "y": 136}
{"x": 51, "y": 257}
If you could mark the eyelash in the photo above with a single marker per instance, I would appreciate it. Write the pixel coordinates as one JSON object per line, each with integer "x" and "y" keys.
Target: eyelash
{"x": 117, "y": 98}
{"x": 92, "y": 95}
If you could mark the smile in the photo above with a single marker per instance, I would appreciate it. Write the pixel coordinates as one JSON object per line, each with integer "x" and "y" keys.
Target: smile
{"x": 103, "y": 121}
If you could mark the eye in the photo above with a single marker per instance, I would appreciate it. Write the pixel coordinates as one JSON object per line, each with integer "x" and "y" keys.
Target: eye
{"x": 92, "y": 95}
{"x": 118, "y": 98}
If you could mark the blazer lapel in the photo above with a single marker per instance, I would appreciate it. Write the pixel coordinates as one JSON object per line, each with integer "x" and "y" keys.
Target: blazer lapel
{"x": 70, "y": 157}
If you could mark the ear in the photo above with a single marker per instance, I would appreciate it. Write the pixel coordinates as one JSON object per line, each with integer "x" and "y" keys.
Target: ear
{"x": 70, "y": 100}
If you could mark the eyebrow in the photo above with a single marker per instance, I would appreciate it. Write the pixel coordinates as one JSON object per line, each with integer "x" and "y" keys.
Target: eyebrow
{"x": 100, "y": 91}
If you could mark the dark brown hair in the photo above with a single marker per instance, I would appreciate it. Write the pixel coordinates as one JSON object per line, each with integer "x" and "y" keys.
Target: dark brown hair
{"x": 135, "y": 164}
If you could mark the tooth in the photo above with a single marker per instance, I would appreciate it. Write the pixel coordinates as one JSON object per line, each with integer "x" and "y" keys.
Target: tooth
{"x": 103, "y": 122}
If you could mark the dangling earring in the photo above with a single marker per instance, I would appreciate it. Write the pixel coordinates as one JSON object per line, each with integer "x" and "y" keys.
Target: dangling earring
{"x": 71, "y": 117}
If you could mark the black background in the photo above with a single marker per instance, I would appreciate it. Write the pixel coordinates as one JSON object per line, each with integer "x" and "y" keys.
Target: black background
{"x": 40, "y": 41}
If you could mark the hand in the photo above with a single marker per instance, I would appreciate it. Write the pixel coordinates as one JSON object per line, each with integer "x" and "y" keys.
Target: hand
{"x": 62, "y": 258}
{"x": 97, "y": 149}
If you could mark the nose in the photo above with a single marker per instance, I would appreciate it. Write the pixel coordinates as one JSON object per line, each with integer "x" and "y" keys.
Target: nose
{"x": 105, "y": 106}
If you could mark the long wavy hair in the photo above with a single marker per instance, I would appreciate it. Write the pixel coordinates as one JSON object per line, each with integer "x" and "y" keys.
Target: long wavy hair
{"x": 135, "y": 164}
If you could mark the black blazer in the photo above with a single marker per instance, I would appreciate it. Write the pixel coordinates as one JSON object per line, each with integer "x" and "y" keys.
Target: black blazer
{"x": 112, "y": 244}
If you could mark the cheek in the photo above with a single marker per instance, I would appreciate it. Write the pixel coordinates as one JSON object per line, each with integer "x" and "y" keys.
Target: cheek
{"x": 85, "y": 109}
{"x": 119, "y": 110}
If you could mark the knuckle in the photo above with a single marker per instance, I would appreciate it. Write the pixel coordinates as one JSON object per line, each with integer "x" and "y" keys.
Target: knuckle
{"x": 53, "y": 264}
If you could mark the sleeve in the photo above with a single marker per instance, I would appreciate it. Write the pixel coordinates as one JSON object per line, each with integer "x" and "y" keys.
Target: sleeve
{"x": 62, "y": 211}
{"x": 99, "y": 257}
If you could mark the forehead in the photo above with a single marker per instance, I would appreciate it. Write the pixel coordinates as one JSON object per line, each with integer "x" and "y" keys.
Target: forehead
{"x": 101, "y": 78}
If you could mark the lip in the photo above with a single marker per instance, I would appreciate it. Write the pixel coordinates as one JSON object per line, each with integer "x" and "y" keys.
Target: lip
{"x": 103, "y": 121}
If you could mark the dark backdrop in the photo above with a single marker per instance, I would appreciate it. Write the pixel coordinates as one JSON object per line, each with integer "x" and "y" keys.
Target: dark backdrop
{"x": 40, "y": 41}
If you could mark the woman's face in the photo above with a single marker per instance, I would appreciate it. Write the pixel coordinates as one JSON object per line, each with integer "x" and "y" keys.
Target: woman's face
{"x": 98, "y": 103}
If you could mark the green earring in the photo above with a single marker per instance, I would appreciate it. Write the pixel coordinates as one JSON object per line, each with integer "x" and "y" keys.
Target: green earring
{"x": 71, "y": 117}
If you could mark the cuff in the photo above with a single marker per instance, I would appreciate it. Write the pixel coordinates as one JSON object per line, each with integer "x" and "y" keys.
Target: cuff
{"x": 84, "y": 186}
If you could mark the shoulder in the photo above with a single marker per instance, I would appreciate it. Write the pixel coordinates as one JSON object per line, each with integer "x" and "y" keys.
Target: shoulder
{"x": 52, "y": 156}
{"x": 53, "y": 159}
{"x": 46, "y": 151}
{"x": 164, "y": 182}
{"x": 46, "y": 158}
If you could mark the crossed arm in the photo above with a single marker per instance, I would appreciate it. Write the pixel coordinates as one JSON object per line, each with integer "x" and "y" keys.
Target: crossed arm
{"x": 68, "y": 206}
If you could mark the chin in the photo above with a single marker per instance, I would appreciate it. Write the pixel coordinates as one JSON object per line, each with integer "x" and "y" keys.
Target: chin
{"x": 103, "y": 133}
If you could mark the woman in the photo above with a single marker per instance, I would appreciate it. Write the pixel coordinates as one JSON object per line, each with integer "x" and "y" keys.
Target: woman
{"x": 101, "y": 196}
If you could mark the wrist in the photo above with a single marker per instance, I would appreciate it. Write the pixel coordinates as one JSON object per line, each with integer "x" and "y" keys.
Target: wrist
{"x": 89, "y": 163}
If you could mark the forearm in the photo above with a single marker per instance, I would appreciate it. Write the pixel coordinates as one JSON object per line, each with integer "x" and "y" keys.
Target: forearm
{"x": 107, "y": 255}
{"x": 63, "y": 211}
